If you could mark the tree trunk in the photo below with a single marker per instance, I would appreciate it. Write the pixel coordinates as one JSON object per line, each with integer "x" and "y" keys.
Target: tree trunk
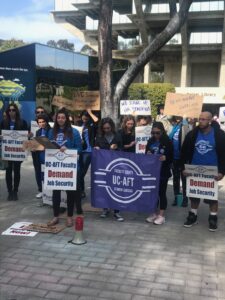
{"x": 158, "y": 42}
{"x": 108, "y": 108}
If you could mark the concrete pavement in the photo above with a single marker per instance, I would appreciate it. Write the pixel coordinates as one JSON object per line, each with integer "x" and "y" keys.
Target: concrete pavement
{"x": 131, "y": 260}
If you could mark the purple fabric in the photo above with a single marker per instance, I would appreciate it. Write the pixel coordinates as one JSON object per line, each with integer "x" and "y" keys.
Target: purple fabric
{"x": 124, "y": 181}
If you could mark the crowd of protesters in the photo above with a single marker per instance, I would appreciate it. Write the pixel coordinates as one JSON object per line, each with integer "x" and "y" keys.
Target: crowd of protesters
{"x": 177, "y": 141}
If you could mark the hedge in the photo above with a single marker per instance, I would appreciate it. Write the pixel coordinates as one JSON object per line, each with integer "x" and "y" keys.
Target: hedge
{"x": 155, "y": 92}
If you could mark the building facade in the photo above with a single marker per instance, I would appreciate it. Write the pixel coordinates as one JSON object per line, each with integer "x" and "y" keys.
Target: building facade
{"x": 194, "y": 57}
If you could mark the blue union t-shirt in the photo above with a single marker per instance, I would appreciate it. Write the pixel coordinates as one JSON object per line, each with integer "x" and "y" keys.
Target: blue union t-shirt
{"x": 176, "y": 150}
{"x": 205, "y": 149}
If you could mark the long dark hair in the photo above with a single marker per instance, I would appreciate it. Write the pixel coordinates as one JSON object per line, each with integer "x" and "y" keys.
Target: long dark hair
{"x": 18, "y": 121}
{"x": 103, "y": 122}
{"x": 164, "y": 137}
{"x": 67, "y": 130}
{"x": 125, "y": 120}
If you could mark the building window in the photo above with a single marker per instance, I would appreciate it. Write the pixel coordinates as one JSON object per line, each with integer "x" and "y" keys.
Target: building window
{"x": 207, "y": 6}
{"x": 206, "y": 38}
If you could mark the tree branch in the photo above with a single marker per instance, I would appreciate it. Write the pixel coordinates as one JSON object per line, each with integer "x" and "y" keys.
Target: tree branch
{"x": 173, "y": 7}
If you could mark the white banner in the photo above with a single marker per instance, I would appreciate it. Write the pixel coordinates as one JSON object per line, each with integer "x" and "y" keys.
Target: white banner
{"x": 12, "y": 145}
{"x": 201, "y": 182}
{"x": 135, "y": 107}
{"x": 60, "y": 170}
{"x": 142, "y": 135}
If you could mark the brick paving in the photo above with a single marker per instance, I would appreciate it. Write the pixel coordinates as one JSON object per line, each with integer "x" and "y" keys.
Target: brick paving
{"x": 132, "y": 260}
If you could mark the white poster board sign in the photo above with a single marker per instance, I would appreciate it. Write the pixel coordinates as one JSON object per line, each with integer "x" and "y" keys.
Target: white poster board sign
{"x": 135, "y": 107}
{"x": 34, "y": 127}
{"x": 201, "y": 183}
{"x": 17, "y": 229}
{"x": 12, "y": 145}
{"x": 60, "y": 171}
{"x": 142, "y": 135}
{"x": 222, "y": 114}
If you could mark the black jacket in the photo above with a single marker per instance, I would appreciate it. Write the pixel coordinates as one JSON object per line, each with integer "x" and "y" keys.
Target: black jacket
{"x": 188, "y": 147}
{"x": 167, "y": 147}
{"x": 102, "y": 143}
{"x": 21, "y": 125}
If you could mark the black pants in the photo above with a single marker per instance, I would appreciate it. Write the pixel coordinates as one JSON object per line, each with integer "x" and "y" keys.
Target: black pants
{"x": 72, "y": 197}
{"x": 85, "y": 160}
{"x": 177, "y": 175}
{"x": 13, "y": 166}
{"x": 37, "y": 169}
{"x": 162, "y": 193}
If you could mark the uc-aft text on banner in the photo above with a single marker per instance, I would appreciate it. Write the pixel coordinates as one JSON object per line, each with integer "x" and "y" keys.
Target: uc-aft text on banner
{"x": 201, "y": 182}
{"x": 124, "y": 181}
{"x": 60, "y": 172}
{"x": 12, "y": 145}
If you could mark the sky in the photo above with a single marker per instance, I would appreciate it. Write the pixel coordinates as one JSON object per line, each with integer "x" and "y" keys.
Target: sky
{"x": 31, "y": 21}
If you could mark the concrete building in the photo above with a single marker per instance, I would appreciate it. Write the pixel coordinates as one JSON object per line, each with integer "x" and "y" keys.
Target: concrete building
{"x": 195, "y": 57}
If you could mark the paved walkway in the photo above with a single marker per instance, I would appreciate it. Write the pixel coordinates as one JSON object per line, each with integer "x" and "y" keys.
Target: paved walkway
{"x": 130, "y": 260}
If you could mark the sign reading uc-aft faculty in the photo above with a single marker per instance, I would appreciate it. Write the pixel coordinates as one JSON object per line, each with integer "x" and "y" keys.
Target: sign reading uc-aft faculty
{"x": 201, "y": 182}
{"x": 142, "y": 135}
{"x": 60, "y": 172}
{"x": 12, "y": 145}
{"x": 124, "y": 181}
{"x": 135, "y": 107}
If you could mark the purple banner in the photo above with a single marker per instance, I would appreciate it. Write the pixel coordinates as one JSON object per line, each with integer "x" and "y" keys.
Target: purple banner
{"x": 125, "y": 181}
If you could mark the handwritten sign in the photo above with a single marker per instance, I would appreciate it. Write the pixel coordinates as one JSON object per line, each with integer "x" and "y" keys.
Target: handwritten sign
{"x": 142, "y": 135}
{"x": 60, "y": 172}
{"x": 189, "y": 105}
{"x": 80, "y": 101}
{"x": 86, "y": 100}
{"x": 32, "y": 145}
{"x": 222, "y": 114}
{"x": 12, "y": 145}
{"x": 201, "y": 182}
{"x": 135, "y": 107}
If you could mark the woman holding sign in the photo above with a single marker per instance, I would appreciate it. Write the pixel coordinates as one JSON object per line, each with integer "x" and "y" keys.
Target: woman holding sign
{"x": 13, "y": 121}
{"x": 160, "y": 144}
{"x": 108, "y": 139}
{"x": 65, "y": 137}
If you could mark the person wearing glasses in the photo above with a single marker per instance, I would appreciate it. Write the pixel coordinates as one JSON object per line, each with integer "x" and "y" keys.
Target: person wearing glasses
{"x": 159, "y": 143}
{"x": 66, "y": 137}
{"x": 13, "y": 121}
{"x": 108, "y": 139}
{"x": 204, "y": 145}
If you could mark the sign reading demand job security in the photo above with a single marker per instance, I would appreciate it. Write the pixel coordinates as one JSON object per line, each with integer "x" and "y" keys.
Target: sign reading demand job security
{"x": 60, "y": 170}
{"x": 12, "y": 145}
{"x": 124, "y": 181}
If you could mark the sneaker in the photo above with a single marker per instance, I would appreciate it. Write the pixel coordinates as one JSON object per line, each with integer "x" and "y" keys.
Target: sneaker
{"x": 191, "y": 220}
{"x": 151, "y": 218}
{"x": 104, "y": 213}
{"x": 118, "y": 217}
{"x": 159, "y": 220}
{"x": 39, "y": 195}
{"x": 212, "y": 222}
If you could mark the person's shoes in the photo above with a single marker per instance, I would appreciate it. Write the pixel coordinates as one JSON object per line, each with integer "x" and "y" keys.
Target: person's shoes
{"x": 10, "y": 196}
{"x": 53, "y": 222}
{"x": 118, "y": 217}
{"x": 15, "y": 196}
{"x": 39, "y": 195}
{"x": 151, "y": 218}
{"x": 212, "y": 222}
{"x": 191, "y": 220}
{"x": 185, "y": 202}
{"x": 69, "y": 222}
{"x": 104, "y": 213}
{"x": 159, "y": 220}
{"x": 83, "y": 195}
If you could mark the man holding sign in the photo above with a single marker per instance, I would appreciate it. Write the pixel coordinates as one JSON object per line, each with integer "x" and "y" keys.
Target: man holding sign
{"x": 204, "y": 146}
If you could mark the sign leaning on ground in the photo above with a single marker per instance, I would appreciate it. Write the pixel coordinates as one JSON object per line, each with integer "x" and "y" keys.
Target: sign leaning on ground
{"x": 189, "y": 105}
{"x": 60, "y": 172}
{"x": 124, "y": 181}
{"x": 135, "y": 107}
{"x": 201, "y": 182}
{"x": 142, "y": 135}
{"x": 12, "y": 145}
{"x": 81, "y": 100}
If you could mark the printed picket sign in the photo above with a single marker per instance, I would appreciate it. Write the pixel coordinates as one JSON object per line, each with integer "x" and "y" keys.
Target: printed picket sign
{"x": 201, "y": 183}
{"x": 142, "y": 135}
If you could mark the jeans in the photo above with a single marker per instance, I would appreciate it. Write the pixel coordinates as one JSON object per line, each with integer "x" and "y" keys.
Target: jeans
{"x": 13, "y": 166}
{"x": 85, "y": 160}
